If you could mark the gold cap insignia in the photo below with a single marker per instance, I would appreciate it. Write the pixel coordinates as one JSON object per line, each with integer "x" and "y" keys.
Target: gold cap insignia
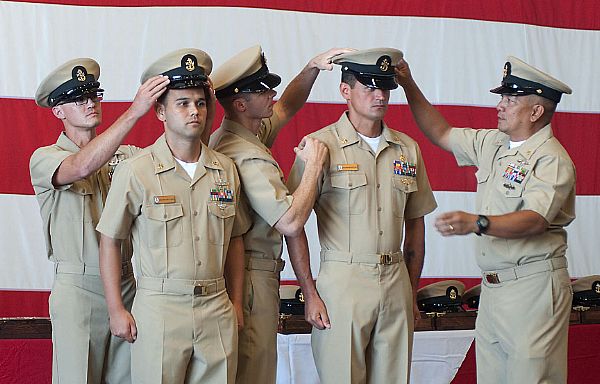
{"x": 189, "y": 64}
{"x": 80, "y": 74}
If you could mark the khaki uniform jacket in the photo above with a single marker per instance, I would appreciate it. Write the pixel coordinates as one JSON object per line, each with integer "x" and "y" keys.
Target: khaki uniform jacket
{"x": 70, "y": 212}
{"x": 264, "y": 192}
{"x": 538, "y": 176}
{"x": 180, "y": 228}
{"x": 364, "y": 198}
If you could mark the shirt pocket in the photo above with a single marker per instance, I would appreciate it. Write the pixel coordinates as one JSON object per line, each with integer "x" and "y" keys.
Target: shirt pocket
{"x": 401, "y": 188}
{"x": 165, "y": 225}
{"x": 349, "y": 193}
{"x": 512, "y": 193}
{"x": 220, "y": 222}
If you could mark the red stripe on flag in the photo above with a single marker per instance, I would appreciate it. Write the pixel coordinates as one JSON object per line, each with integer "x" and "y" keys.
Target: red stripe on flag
{"x": 30, "y": 127}
{"x": 24, "y": 303}
{"x": 581, "y": 14}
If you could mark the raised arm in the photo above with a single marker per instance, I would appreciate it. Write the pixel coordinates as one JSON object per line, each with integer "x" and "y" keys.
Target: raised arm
{"x": 298, "y": 90}
{"x": 122, "y": 323}
{"x": 429, "y": 120}
{"x": 315, "y": 154}
{"x": 101, "y": 148}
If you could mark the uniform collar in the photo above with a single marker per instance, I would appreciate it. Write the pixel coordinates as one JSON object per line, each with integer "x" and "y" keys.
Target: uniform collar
{"x": 528, "y": 148}
{"x": 347, "y": 134}
{"x": 65, "y": 143}
{"x": 241, "y": 131}
{"x": 164, "y": 160}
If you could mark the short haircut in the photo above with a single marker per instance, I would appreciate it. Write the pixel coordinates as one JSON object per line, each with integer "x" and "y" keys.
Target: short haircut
{"x": 349, "y": 78}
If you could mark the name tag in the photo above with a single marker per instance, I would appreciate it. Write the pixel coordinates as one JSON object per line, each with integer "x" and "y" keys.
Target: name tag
{"x": 166, "y": 199}
{"x": 347, "y": 167}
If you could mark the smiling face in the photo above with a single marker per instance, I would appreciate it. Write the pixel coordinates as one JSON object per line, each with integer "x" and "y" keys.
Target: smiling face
{"x": 183, "y": 112}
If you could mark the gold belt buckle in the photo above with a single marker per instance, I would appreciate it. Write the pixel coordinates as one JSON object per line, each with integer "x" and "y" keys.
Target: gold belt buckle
{"x": 492, "y": 278}
{"x": 385, "y": 259}
{"x": 201, "y": 290}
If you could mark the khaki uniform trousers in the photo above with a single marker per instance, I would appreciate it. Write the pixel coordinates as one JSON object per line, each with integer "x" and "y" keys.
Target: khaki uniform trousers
{"x": 84, "y": 351}
{"x": 258, "y": 339}
{"x": 183, "y": 338}
{"x": 371, "y": 334}
{"x": 522, "y": 329}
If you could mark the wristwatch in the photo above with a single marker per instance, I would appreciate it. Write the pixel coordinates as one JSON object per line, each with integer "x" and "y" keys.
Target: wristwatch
{"x": 482, "y": 224}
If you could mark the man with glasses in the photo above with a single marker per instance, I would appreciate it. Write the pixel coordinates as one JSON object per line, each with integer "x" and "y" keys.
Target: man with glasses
{"x": 525, "y": 198}
{"x": 244, "y": 87}
{"x": 71, "y": 180}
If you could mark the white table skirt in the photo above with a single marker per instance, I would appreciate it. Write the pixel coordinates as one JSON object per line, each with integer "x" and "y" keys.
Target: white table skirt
{"x": 437, "y": 355}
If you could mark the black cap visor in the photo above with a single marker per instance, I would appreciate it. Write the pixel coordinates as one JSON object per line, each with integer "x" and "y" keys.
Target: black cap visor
{"x": 515, "y": 86}
{"x": 258, "y": 81}
{"x": 69, "y": 95}
{"x": 386, "y": 83}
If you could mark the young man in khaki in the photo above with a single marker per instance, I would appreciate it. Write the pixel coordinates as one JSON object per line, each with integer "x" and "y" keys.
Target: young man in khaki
{"x": 525, "y": 198}
{"x": 178, "y": 200}
{"x": 244, "y": 87}
{"x": 372, "y": 195}
{"x": 71, "y": 180}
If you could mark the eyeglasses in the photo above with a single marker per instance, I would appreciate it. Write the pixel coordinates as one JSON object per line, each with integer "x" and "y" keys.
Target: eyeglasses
{"x": 83, "y": 100}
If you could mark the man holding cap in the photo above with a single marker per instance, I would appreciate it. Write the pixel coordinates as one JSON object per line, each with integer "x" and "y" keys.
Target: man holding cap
{"x": 373, "y": 182}
{"x": 71, "y": 180}
{"x": 178, "y": 199}
{"x": 245, "y": 88}
{"x": 525, "y": 198}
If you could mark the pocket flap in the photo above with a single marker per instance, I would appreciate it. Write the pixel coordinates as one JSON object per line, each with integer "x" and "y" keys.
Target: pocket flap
{"x": 223, "y": 212}
{"x": 164, "y": 212}
{"x": 348, "y": 180}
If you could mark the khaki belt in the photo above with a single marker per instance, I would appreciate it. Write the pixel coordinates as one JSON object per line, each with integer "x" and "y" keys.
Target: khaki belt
{"x": 368, "y": 258}
{"x": 268, "y": 265}
{"x": 509, "y": 274}
{"x": 181, "y": 286}
{"x": 83, "y": 269}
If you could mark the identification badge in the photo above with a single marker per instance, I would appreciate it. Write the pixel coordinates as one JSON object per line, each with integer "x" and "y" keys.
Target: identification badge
{"x": 347, "y": 167}
{"x": 165, "y": 199}
{"x": 404, "y": 168}
{"x": 515, "y": 173}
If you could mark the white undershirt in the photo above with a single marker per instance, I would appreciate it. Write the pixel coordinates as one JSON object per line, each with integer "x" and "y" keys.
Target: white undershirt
{"x": 515, "y": 144}
{"x": 372, "y": 141}
{"x": 190, "y": 168}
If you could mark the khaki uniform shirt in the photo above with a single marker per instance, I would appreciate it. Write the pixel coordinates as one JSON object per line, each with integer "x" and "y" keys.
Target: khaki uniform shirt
{"x": 364, "y": 198}
{"x": 264, "y": 192}
{"x": 180, "y": 226}
{"x": 538, "y": 176}
{"x": 70, "y": 212}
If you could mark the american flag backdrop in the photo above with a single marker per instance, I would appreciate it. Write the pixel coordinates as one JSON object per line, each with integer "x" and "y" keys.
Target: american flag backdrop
{"x": 456, "y": 50}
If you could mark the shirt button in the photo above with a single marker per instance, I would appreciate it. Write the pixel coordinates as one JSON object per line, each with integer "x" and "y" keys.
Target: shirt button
{"x": 379, "y": 209}
{"x": 197, "y": 238}
{"x": 192, "y": 187}
{"x": 165, "y": 216}
{"x": 378, "y": 185}
{"x": 380, "y": 233}
{"x": 195, "y": 213}
{"x": 349, "y": 184}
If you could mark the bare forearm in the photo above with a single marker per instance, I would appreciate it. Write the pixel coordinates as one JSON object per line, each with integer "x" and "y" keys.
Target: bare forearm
{"x": 414, "y": 249}
{"x": 299, "y": 256}
{"x": 234, "y": 270}
{"x": 293, "y": 220}
{"x": 110, "y": 271}
{"x": 429, "y": 120}
{"x": 514, "y": 225}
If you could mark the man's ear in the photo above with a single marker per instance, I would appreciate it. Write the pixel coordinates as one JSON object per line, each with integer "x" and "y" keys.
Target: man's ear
{"x": 239, "y": 104}
{"x": 537, "y": 111}
{"x": 58, "y": 112}
{"x": 345, "y": 91}
{"x": 159, "y": 109}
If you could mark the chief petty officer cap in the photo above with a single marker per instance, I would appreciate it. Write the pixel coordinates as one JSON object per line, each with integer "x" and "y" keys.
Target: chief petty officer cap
{"x": 372, "y": 67}
{"x": 471, "y": 296}
{"x": 186, "y": 68}
{"x": 291, "y": 300}
{"x": 245, "y": 72}
{"x": 520, "y": 78}
{"x": 586, "y": 291}
{"x": 75, "y": 78}
{"x": 441, "y": 296}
